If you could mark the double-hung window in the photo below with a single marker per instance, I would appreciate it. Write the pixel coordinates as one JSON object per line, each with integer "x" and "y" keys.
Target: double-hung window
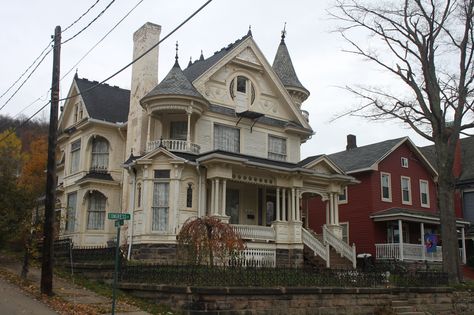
{"x": 226, "y": 138}
{"x": 75, "y": 155}
{"x": 276, "y": 148}
{"x": 386, "y": 186}
{"x": 424, "y": 193}
{"x": 160, "y": 206}
{"x": 100, "y": 155}
{"x": 96, "y": 211}
{"x": 71, "y": 211}
{"x": 406, "y": 190}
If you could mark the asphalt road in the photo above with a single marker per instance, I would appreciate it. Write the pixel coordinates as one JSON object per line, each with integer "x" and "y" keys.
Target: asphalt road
{"x": 13, "y": 301}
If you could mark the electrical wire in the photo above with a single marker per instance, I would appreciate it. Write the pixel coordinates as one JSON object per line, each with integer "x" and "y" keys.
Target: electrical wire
{"x": 113, "y": 75}
{"x": 79, "y": 18}
{"x": 24, "y": 81}
{"x": 90, "y": 23}
{"x": 27, "y": 69}
{"x": 107, "y": 34}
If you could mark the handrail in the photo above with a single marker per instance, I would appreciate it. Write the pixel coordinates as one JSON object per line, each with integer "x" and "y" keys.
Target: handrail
{"x": 255, "y": 232}
{"x": 174, "y": 145}
{"x": 316, "y": 246}
{"x": 340, "y": 246}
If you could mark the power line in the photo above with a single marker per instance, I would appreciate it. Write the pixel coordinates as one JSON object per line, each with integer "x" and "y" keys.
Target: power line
{"x": 107, "y": 34}
{"x": 83, "y": 14}
{"x": 87, "y": 26}
{"x": 24, "y": 81}
{"x": 113, "y": 75}
{"x": 27, "y": 69}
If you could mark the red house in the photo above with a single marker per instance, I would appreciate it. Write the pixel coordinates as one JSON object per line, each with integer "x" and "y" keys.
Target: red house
{"x": 392, "y": 213}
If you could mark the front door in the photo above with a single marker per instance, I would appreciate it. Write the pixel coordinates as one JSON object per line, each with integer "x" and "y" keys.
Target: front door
{"x": 232, "y": 205}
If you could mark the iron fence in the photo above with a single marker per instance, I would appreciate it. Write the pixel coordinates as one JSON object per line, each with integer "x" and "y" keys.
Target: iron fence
{"x": 268, "y": 277}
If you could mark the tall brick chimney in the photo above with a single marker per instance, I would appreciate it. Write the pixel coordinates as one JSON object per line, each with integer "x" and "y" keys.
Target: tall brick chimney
{"x": 351, "y": 142}
{"x": 144, "y": 79}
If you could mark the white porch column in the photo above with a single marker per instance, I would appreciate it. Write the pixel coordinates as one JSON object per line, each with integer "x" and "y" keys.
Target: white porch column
{"x": 463, "y": 241}
{"x": 224, "y": 188}
{"x": 188, "y": 132}
{"x": 216, "y": 197}
{"x": 213, "y": 192}
{"x": 400, "y": 238}
{"x": 336, "y": 209}
{"x": 278, "y": 217}
{"x": 327, "y": 212}
{"x": 284, "y": 213}
{"x": 422, "y": 232}
{"x": 298, "y": 205}
{"x": 331, "y": 209}
{"x": 292, "y": 205}
{"x": 148, "y": 136}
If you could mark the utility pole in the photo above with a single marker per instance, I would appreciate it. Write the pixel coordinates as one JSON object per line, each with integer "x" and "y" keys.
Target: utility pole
{"x": 50, "y": 200}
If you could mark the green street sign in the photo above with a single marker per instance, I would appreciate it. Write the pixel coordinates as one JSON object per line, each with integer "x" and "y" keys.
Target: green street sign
{"x": 118, "y": 223}
{"x": 118, "y": 216}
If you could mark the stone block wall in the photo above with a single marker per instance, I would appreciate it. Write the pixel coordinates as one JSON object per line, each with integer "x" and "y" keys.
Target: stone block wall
{"x": 156, "y": 253}
{"x": 289, "y": 258}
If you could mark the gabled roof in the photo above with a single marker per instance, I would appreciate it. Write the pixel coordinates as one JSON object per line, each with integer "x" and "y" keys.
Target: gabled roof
{"x": 104, "y": 102}
{"x": 198, "y": 67}
{"x": 283, "y": 67}
{"x": 364, "y": 157}
{"x": 175, "y": 83}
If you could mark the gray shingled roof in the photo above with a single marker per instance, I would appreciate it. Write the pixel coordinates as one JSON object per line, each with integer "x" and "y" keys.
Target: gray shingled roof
{"x": 105, "y": 102}
{"x": 283, "y": 67}
{"x": 198, "y": 67}
{"x": 363, "y": 157}
{"x": 175, "y": 83}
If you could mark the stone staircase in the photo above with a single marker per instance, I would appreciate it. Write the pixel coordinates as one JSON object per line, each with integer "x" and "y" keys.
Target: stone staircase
{"x": 404, "y": 307}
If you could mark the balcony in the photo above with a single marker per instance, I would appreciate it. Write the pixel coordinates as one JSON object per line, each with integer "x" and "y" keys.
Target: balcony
{"x": 174, "y": 145}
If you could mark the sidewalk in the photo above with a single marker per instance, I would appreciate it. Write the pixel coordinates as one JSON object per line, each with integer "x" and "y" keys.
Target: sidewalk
{"x": 74, "y": 298}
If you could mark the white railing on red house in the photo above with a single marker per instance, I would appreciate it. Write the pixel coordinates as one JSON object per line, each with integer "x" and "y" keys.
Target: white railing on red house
{"x": 174, "y": 145}
{"x": 316, "y": 246}
{"x": 407, "y": 251}
{"x": 340, "y": 246}
{"x": 255, "y": 232}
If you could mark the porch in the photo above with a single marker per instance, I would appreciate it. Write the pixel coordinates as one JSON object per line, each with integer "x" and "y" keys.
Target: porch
{"x": 412, "y": 235}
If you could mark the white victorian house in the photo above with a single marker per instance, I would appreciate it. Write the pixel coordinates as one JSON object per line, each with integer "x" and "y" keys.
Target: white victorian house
{"x": 219, "y": 138}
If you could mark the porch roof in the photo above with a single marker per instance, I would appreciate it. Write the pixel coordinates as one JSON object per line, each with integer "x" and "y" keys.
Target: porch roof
{"x": 411, "y": 215}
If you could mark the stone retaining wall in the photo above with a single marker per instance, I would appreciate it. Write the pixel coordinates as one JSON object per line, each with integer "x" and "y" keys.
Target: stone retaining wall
{"x": 327, "y": 301}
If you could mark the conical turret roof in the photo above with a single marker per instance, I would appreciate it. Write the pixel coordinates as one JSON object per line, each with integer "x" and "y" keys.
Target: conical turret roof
{"x": 175, "y": 83}
{"x": 283, "y": 67}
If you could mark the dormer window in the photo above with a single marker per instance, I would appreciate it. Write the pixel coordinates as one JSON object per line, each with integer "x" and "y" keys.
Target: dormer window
{"x": 242, "y": 92}
{"x": 76, "y": 112}
{"x": 242, "y": 84}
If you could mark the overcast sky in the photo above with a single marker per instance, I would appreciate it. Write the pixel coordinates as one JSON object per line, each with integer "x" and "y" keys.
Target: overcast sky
{"x": 321, "y": 65}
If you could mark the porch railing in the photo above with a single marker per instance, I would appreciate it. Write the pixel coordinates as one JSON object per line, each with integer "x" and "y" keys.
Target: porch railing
{"x": 316, "y": 246}
{"x": 259, "y": 257}
{"x": 174, "y": 145}
{"x": 255, "y": 232}
{"x": 410, "y": 252}
{"x": 340, "y": 246}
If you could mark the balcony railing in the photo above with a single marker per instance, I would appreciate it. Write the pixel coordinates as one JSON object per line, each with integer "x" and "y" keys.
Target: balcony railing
{"x": 408, "y": 252}
{"x": 174, "y": 145}
{"x": 255, "y": 232}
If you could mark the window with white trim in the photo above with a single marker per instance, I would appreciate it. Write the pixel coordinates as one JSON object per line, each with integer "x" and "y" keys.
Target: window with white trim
{"x": 226, "y": 138}
{"x": 424, "y": 193}
{"x": 276, "y": 148}
{"x": 75, "y": 156}
{"x": 96, "y": 211}
{"x": 178, "y": 130}
{"x": 100, "y": 154}
{"x": 404, "y": 162}
{"x": 160, "y": 205}
{"x": 386, "y": 186}
{"x": 71, "y": 211}
{"x": 343, "y": 198}
{"x": 406, "y": 190}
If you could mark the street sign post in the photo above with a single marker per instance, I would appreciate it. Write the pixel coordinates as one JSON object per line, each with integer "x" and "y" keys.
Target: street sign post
{"x": 119, "y": 218}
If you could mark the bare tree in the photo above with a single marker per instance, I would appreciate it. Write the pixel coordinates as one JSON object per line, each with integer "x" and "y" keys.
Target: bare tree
{"x": 428, "y": 46}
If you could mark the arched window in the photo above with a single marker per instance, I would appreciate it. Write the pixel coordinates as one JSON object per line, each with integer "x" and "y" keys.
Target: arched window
{"x": 189, "y": 196}
{"x": 96, "y": 211}
{"x": 100, "y": 155}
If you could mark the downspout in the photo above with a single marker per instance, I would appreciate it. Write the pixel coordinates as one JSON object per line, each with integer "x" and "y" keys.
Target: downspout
{"x": 132, "y": 208}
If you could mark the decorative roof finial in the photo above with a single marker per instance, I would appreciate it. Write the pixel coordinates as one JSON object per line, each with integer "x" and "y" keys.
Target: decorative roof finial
{"x": 76, "y": 76}
{"x": 190, "y": 61}
{"x": 176, "y": 57}
{"x": 201, "y": 58}
{"x": 249, "y": 33}
{"x": 283, "y": 34}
